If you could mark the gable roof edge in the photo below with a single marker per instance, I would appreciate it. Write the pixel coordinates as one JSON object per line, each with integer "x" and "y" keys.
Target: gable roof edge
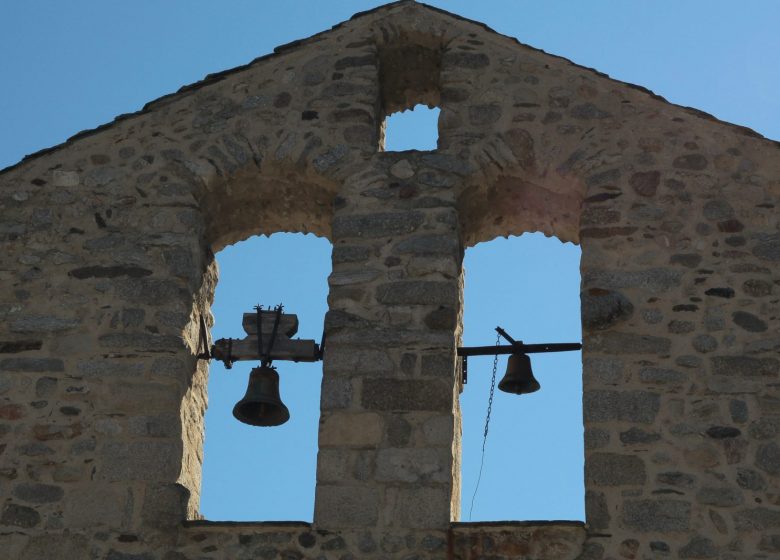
{"x": 285, "y": 48}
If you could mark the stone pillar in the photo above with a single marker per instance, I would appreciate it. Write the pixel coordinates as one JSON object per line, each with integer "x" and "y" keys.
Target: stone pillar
{"x": 389, "y": 442}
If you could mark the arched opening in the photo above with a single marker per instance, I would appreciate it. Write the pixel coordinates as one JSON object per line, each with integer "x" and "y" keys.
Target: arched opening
{"x": 255, "y": 473}
{"x": 415, "y": 129}
{"x": 533, "y": 467}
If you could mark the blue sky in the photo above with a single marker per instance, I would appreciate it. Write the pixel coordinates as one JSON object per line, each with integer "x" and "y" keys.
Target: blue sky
{"x": 70, "y": 66}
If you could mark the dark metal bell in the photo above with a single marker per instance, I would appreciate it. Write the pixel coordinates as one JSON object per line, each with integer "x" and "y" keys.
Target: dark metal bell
{"x": 262, "y": 405}
{"x": 519, "y": 379}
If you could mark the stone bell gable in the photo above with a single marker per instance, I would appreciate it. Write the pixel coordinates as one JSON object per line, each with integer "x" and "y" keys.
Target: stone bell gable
{"x": 107, "y": 264}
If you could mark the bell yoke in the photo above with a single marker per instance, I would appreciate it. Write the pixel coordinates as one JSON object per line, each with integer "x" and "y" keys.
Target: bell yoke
{"x": 262, "y": 404}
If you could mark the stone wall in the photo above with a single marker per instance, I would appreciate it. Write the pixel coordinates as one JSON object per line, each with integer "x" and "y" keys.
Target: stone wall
{"x": 107, "y": 260}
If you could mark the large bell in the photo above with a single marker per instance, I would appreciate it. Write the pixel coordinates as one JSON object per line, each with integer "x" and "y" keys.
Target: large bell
{"x": 262, "y": 405}
{"x": 519, "y": 379}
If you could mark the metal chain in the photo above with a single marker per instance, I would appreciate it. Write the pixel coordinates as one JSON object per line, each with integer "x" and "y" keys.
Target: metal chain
{"x": 487, "y": 425}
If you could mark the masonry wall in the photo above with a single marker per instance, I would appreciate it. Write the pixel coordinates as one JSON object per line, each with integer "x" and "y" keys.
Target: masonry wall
{"x": 107, "y": 264}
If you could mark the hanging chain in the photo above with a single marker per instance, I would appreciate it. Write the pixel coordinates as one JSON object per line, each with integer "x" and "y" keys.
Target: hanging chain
{"x": 487, "y": 424}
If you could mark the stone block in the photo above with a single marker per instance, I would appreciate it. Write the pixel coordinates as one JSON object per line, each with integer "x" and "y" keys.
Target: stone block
{"x": 37, "y": 493}
{"x": 419, "y": 507}
{"x": 336, "y": 393}
{"x": 165, "y": 505}
{"x": 35, "y": 365}
{"x": 429, "y": 245}
{"x": 650, "y": 516}
{"x": 346, "y": 506}
{"x": 601, "y": 309}
{"x": 380, "y": 224}
{"x": 407, "y": 395}
{"x": 55, "y": 547}
{"x": 768, "y": 458}
{"x": 414, "y": 465}
{"x": 332, "y": 465}
{"x": 627, "y": 343}
{"x": 418, "y": 292}
{"x": 17, "y": 515}
{"x": 654, "y": 280}
{"x": 141, "y": 460}
{"x": 745, "y": 366}
{"x": 612, "y": 469}
{"x": 354, "y": 360}
{"x": 99, "y": 505}
{"x": 660, "y": 376}
{"x": 757, "y": 519}
{"x": 720, "y": 496}
{"x": 625, "y": 406}
{"x": 699, "y": 547}
{"x": 439, "y": 430}
{"x": 363, "y": 429}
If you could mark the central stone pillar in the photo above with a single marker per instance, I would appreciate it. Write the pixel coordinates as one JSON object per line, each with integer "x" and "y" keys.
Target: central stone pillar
{"x": 389, "y": 442}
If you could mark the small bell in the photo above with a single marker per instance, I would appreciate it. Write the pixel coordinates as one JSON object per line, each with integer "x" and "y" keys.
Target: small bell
{"x": 519, "y": 379}
{"x": 262, "y": 405}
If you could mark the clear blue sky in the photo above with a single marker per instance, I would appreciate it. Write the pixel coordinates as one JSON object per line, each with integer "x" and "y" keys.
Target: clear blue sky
{"x": 70, "y": 66}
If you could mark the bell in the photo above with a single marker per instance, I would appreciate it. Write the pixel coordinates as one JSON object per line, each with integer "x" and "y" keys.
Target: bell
{"x": 262, "y": 405}
{"x": 519, "y": 379}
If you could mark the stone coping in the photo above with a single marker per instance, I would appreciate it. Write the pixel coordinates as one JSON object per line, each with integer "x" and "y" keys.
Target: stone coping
{"x": 500, "y": 524}
{"x": 455, "y": 525}
{"x": 206, "y": 524}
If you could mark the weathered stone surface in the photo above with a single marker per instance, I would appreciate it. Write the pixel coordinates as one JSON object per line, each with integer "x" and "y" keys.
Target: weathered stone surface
{"x": 628, "y": 406}
{"x": 692, "y": 162}
{"x": 655, "y": 280}
{"x": 645, "y": 183}
{"x": 376, "y": 225}
{"x": 602, "y": 309}
{"x": 656, "y": 515}
{"x": 720, "y": 292}
{"x": 42, "y": 324}
{"x": 745, "y": 366}
{"x": 768, "y": 458}
{"x": 636, "y": 435}
{"x": 588, "y": 111}
{"x": 485, "y": 114}
{"x": 346, "y": 506}
{"x": 690, "y": 260}
{"x": 430, "y": 244}
{"x": 748, "y": 321}
{"x": 16, "y": 346}
{"x": 37, "y": 493}
{"x": 699, "y": 547}
{"x": 413, "y": 465}
{"x": 612, "y": 469}
{"x": 19, "y": 516}
{"x": 350, "y": 253}
{"x": 629, "y": 343}
{"x": 131, "y": 271}
{"x": 165, "y": 505}
{"x": 351, "y": 429}
{"x": 468, "y": 60}
{"x": 32, "y": 364}
{"x": 417, "y": 293}
{"x": 406, "y": 394}
{"x": 768, "y": 248}
{"x": 719, "y": 496}
{"x": 676, "y": 478}
{"x": 139, "y": 461}
{"x": 758, "y": 519}
{"x": 705, "y": 343}
{"x": 723, "y": 432}
{"x": 521, "y": 143}
{"x": 660, "y": 376}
